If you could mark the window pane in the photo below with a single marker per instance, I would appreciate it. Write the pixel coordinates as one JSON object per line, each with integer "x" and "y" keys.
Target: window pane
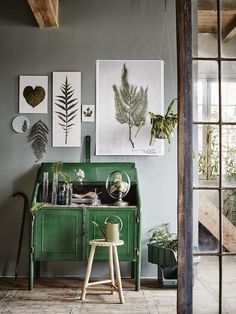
{"x": 229, "y": 155}
{"x": 206, "y": 155}
{"x": 229, "y": 284}
{"x": 206, "y": 220}
{"x": 206, "y": 286}
{"x": 229, "y": 220}
{"x": 204, "y": 28}
{"x": 228, "y": 88}
{"x": 206, "y": 91}
{"x": 228, "y": 24}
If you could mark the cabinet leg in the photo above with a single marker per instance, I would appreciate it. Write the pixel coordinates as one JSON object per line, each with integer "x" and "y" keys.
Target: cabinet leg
{"x": 88, "y": 272}
{"x": 118, "y": 276}
{"x": 31, "y": 272}
{"x": 111, "y": 268}
{"x": 137, "y": 274}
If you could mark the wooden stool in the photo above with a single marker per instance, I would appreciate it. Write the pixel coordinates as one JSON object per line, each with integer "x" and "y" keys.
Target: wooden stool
{"x": 112, "y": 249}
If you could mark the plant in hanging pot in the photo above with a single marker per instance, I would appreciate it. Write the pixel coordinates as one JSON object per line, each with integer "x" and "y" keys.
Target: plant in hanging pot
{"x": 163, "y": 126}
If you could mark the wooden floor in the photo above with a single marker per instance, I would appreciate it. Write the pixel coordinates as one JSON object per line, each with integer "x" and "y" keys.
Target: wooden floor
{"x": 62, "y": 295}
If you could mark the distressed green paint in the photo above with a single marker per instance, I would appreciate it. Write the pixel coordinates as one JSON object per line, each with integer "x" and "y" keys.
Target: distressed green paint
{"x": 62, "y": 233}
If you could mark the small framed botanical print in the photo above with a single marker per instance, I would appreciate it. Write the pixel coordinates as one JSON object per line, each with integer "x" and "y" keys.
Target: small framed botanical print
{"x": 88, "y": 113}
{"x": 33, "y": 94}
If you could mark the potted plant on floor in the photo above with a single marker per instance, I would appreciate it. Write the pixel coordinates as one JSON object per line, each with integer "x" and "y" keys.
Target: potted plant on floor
{"x": 162, "y": 250}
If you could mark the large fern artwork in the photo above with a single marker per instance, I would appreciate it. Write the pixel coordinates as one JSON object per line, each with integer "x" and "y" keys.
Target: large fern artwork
{"x": 131, "y": 104}
{"x": 67, "y": 108}
{"x": 38, "y": 136}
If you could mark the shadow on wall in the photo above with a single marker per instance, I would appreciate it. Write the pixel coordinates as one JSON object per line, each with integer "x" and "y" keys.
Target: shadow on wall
{"x": 12, "y": 14}
{"x": 10, "y": 224}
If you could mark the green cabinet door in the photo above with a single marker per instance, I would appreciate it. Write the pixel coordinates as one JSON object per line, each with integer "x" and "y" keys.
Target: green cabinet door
{"x": 128, "y": 232}
{"x": 58, "y": 234}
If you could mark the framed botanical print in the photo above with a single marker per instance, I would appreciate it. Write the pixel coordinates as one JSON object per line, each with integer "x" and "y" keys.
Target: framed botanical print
{"x": 66, "y": 109}
{"x": 126, "y": 90}
{"x": 33, "y": 94}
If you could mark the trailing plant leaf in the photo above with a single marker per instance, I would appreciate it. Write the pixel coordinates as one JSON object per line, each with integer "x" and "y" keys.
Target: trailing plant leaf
{"x": 37, "y": 206}
{"x": 130, "y": 103}
{"x": 38, "y": 136}
{"x": 68, "y": 110}
{"x": 163, "y": 236}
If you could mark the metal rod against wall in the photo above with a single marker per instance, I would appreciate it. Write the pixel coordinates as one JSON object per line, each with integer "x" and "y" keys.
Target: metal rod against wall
{"x": 185, "y": 185}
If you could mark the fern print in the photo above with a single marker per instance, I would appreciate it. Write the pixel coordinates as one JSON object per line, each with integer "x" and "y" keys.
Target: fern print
{"x": 131, "y": 103}
{"x": 38, "y": 136}
{"x": 67, "y": 106}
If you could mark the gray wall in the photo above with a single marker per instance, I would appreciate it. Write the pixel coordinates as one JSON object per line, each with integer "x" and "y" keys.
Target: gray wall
{"x": 89, "y": 30}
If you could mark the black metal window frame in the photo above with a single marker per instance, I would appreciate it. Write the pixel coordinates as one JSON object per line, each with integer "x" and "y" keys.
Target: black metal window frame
{"x": 219, "y": 59}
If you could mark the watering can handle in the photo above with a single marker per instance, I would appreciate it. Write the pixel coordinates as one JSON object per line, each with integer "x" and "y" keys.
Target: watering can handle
{"x": 121, "y": 222}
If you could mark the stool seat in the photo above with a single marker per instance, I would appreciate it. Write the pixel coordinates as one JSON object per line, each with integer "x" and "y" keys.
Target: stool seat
{"x": 102, "y": 242}
{"x": 113, "y": 257}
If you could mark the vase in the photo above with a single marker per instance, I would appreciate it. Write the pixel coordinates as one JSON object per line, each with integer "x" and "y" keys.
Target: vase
{"x": 45, "y": 188}
{"x": 69, "y": 191}
{"x": 54, "y": 188}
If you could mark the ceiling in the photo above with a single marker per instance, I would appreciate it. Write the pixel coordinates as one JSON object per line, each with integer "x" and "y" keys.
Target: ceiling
{"x": 207, "y": 17}
{"x": 46, "y": 14}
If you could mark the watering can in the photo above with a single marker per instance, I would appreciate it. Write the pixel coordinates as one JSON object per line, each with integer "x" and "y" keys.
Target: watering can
{"x": 112, "y": 229}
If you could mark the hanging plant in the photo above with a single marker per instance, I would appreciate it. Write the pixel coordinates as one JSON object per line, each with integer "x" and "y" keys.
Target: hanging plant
{"x": 38, "y": 136}
{"x": 163, "y": 126}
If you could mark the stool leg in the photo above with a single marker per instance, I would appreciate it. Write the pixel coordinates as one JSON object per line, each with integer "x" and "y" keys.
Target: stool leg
{"x": 111, "y": 268}
{"x": 117, "y": 268}
{"x": 88, "y": 271}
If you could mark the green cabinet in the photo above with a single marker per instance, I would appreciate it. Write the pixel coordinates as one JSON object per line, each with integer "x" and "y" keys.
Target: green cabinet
{"x": 62, "y": 233}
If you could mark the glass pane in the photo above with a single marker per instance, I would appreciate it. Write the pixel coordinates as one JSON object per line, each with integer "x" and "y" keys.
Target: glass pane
{"x": 228, "y": 87}
{"x": 229, "y": 220}
{"x": 229, "y": 284}
{"x": 206, "y": 155}
{"x": 206, "y": 220}
{"x": 206, "y": 91}
{"x": 204, "y": 28}
{"x": 228, "y": 24}
{"x": 206, "y": 286}
{"x": 229, "y": 155}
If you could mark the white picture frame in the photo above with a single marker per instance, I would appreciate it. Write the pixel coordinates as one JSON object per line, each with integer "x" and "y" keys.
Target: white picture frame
{"x": 88, "y": 113}
{"x": 66, "y": 110}
{"x": 33, "y": 94}
{"x": 116, "y": 136}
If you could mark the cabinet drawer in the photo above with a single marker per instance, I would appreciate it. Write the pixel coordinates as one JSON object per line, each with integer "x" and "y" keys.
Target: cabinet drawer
{"x": 58, "y": 234}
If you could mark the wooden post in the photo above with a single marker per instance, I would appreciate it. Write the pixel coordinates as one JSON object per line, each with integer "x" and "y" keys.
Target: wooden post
{"x": 185, "y": 215}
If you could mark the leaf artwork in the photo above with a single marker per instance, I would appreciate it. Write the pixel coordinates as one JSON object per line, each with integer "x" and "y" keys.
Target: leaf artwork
{"x": 34, "y": 96}
{"x": 38, "y": 136}
{"x": 67, "y": 105}
{"x": 130, "y": 103}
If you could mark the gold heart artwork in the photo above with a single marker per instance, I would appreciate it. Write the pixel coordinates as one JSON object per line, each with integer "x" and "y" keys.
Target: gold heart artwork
{"x": 34, "y": 96}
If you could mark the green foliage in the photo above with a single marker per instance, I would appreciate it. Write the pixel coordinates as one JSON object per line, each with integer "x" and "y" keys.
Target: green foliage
{"x": 163, "y": 236}
{"x": 67, "y": 105}
{"x": 229, "y": 202}
{"x": 130, "y": 103}
{"x": 230, "y": 163}
{"x": 37, "y": 206}
{"x": 163, "y": 126}
{"x": 57, "y": 167}
{"x": 208, "y": 162}
{"x": 38, "y": 136}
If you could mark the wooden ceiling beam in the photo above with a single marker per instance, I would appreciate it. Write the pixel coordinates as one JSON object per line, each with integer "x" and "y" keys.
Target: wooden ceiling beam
{"x": 229, "y": 30}
{"x": 211, "y": 5}
{"x": 45, "y": 12}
